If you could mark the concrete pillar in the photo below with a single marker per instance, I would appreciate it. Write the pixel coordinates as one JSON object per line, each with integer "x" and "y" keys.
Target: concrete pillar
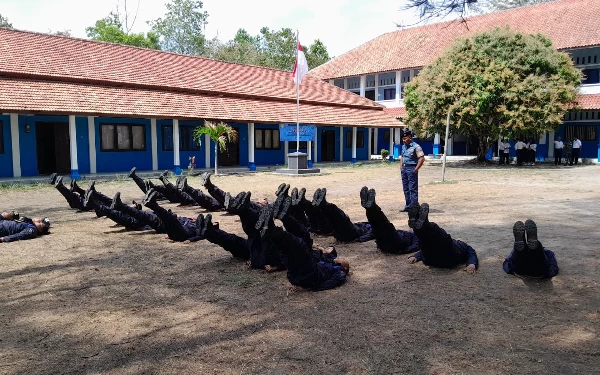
{"x": 16, "y": 151}
{"x": 551, "y": 145}
{"x": 345, "y": 83}
{"x": 363, "y": 85}
{"x": 354, "y": 144}
{"x": 376, "y": 87}
{"x": 449, "y": 147}
{"x": 92, "y": 143}
{"x": 73, "y": 149}
{"x": 176, "y": 163}
{"x": 154, "y": 144}
{"x": 286, "y": 149}
{"x": 369, "y": 140}
{"x": 391, "y": 157}
{"x": 341, "y": 143}
{"x": 376, "y": 138}
{"x": 251, "y": 165}
{"x": 207, "y": 151}
{"x": 398, "y": 86}
{"x": 316, "y": 158}
{"x": 437, "y": 144}
{"x": 309, "y": 154}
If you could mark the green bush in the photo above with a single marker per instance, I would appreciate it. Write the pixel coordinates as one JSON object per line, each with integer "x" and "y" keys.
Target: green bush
{"x": 384, "y": 154}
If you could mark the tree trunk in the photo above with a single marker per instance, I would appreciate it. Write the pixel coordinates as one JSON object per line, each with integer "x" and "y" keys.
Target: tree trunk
{"x": 484, "y": 146}
{"x": 216, "y": 159}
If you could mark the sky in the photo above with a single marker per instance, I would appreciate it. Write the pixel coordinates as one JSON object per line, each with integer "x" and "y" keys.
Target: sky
{"x": 340, "y": 24}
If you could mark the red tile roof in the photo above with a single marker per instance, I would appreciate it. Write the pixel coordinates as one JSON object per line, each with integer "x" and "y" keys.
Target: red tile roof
{"x": 398, "y": 112}
{"x": 568, "y": 23}
{"x": 591, "y": 101}
{"x": 38, "y": 96}
{"x": 33, "y": 66}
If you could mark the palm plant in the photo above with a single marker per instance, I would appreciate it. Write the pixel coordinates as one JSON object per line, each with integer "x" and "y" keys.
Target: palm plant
{"x": 220, "y": 133}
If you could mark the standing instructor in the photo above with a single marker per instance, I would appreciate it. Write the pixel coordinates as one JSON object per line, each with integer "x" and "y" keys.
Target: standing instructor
{"x": 411, "y": 161}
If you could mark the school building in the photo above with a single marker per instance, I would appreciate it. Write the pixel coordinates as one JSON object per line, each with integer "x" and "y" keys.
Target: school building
{"x": 380, "y": 69}
{"x": 76, "y": 106}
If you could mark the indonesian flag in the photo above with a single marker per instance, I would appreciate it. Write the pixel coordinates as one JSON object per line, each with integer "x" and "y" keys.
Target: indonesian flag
{"x": 301, "y": 67}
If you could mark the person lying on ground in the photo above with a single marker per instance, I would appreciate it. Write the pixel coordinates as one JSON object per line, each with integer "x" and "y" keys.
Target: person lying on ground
{"x": 317, "y": 221}
{"x": 75, "y": 194}
{"x": 203, "y": 200}
{"x": 344, "y": 230}
{"x": 136, "y": 212}
{"x": 24, "y": 229}
{"x": 438, "y": 249}
{"x": 92, "y": 200}
{"x": 179, "y": 229}
{"x": 528, "y": 257}
{"x": 304, "y": 269}
{"x": 387, "y": 237}
{"x": 262, "y": 253}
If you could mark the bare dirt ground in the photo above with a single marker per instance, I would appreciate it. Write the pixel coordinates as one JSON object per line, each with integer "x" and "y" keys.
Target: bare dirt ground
{"x": 92, "y": 298}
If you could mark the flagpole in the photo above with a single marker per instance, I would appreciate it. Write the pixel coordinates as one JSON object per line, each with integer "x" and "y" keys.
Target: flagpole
{"x": 297, "y": 99}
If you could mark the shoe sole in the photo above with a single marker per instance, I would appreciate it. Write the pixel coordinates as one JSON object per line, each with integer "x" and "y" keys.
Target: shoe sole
{"x": 316, "y": 197}
{"x": 519, "y": 233}
{"x": 423, "y": 215}
{"x": 279, "y": 189}
{"x": 531, "y": 230}
{"x": 364, "y": 196}
{"x": 412, "y": 215}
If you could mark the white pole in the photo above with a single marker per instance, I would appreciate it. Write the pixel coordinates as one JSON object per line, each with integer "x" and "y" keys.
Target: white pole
{"x": 176, "y": 143}
{"x": 154, "y": 141}
{"x": 446, "y": 146}
{"x": 92, "y": 143}
{"x": 73, "y": 144}
{"x": 297, "y": 98}
{"x": 353, "y": 144}
{"x": 14, "y": 139}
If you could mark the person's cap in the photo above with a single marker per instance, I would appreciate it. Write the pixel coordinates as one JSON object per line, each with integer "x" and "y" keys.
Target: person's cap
{"x": 407, "y": 132}
{"x": 46, "y": 222}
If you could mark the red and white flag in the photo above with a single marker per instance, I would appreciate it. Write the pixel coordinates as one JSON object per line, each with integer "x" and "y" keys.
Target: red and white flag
{"x": 301, "y": 67}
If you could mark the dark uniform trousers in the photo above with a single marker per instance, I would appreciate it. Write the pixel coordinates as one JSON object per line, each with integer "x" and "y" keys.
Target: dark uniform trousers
{"x": 387, "y": 238}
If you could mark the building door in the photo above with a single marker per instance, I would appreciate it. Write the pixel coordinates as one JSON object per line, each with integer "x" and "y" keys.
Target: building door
{"x": 328, "y": 145}
{"x": 231, "y": 154}
{"x": 53, "y": 153}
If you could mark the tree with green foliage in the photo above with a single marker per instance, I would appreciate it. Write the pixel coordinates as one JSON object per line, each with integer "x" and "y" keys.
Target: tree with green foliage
{"x": 494, "y": 83}
{"x": 110, "y": 29}
{"x": 181, "y": 30}
{"x": 495, "y": 5}
{"x": 317, "y": 54}
{"x": 220, "y": 133}
{"x": 4, "y": 22}
{"x": 271, "y": 49}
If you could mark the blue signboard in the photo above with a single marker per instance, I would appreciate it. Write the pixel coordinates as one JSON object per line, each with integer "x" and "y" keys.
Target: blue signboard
{"x": 287, "y": 132}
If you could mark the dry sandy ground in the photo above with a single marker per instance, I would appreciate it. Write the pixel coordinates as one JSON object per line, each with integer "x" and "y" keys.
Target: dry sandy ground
{"x": 92, "y": 298}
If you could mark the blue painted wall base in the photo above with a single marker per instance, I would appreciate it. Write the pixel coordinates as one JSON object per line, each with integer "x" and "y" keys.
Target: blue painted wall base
{"x": 177, "y": 170}
{"x": 490, "y": 154}
{"x": 252, "y": 166}
{"x": 599, "y": 152}
{"x": 436, "y": 148}
{"x": 310, "y": 163}
{"x": 390, "y": 158}
{"x": 353, "y": 160}
{"x": 75, "y": 175}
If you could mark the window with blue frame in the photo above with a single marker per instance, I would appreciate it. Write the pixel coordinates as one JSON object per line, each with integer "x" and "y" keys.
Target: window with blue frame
{"x": 1, "y": 138}
{"x": 360, "y": 139}
{"x": 591, "y": 76}
{"x": 186, "y": 138}
{"x": 122, "y": 137}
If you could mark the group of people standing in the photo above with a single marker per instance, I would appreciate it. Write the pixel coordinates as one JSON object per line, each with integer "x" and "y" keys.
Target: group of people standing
{"x": 526, "y": 151}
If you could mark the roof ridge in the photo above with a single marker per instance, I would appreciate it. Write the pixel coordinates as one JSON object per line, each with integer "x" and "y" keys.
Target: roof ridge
{"x": 92, "y": 41}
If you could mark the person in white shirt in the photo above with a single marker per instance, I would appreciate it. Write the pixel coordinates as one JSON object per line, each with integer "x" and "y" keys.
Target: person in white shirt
{"x": 503, "y": 151}
{"x": 519, "y": 147}
{"x": 575, "y": 151}
{"x": 558, "y": 151}
{"x": 531, "y": 152}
